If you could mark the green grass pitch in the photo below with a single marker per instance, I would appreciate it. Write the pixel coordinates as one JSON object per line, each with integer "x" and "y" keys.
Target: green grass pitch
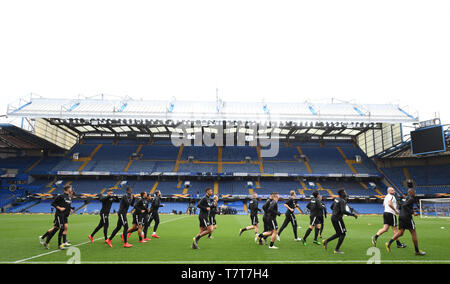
{"x": 19, "y": 242}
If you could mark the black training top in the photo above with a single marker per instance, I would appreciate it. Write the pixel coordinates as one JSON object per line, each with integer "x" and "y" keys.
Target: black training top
{"x": 125, "y": 203}
{"x": 63, "y": 200}
{"x": 253, "y": 206}
{"x": 106, "y": 203}
{"x": 203, "y": 205}
{"x": 339, "y": 208}
{"x": 315, "y": 207}
{"x": 407, "y": 207}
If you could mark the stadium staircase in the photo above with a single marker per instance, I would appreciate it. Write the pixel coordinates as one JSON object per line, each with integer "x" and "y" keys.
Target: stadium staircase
{"x": 86, "y": 160}
{"x": 177, "y": 163}
{"x": 30, "y": 206}
{"x": 260, "y": 159}
{"x": 139, "y": 148}
{"x": 34, "y": 165}
{"x": 81, "y": 207}
{"x": 305, "y": 161}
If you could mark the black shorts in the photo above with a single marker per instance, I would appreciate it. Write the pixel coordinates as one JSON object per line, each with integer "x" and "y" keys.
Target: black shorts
{"x": 406, "y": 223}
{"x": 254, "y": 219}
{"x": 315, "y": 220}
{"x": 390, "y": 219}
{"x": 138, "y": 219}
{"x": 60, "y": 220}
{"x": 212, "y": 220}
{"x": 339, "y": 226}
{"x": 271, "y": 224}
{"x": 204, "y": 221}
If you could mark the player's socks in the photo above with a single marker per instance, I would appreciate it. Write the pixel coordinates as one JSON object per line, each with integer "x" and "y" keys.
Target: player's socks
{"x": 242, "y": 230}
{"x": 64, "y": 238}
{"x": 307, "y": 234}
{"x": 59, "y": 238}
{"x": 271, "y": 244}
{"x": 340, "y": 241}
{"x": 195, "y": 243}
{"x": 50, "y": 236}
{"x": 390, "y": 242}
{"x": 416, "y": 248}
{"x": 388, "y": 245}
{"x": 316, "y": 233}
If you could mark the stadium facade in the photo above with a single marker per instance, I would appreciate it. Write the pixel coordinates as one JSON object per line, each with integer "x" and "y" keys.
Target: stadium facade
{"x": 102, "y": 142}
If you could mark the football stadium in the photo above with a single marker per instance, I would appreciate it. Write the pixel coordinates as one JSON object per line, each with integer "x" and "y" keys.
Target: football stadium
{"x": 107, "y": 158}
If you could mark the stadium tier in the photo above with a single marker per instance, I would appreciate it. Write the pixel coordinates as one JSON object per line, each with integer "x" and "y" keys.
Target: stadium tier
{"x": 96, "y": 155}
{"x": 426, "y": 179}
{"x": 300, "y": 166}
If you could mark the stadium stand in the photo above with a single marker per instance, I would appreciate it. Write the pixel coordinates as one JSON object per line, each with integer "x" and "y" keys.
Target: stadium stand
{"x": 118, "y": 149}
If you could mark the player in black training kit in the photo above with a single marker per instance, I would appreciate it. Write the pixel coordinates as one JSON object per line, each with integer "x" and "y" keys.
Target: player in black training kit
{"x": 406, "y": 221}
{"x": 339, "y": 208}
{"x": 270, "y": 223}
{"x": 324, "y": 213}
{"x": 126, "y": 201}
{"x": 140, "y": 207}
{"x": 266, "y": 216}
{"x": 205, "y": 227}
{"x": 253, "y": 207}
{"x": 154, "y": 214}
{"x": 290, "y": 205}
{"x": 212, "y": 216}
{"x": 63, "y": 206}
{"x": 106, "y": 201}
{"x": 315, "y": 207}
{"x": 147, "y": 218}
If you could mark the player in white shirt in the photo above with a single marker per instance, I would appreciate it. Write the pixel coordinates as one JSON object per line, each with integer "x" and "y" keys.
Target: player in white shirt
{"x": 389, "y": 217}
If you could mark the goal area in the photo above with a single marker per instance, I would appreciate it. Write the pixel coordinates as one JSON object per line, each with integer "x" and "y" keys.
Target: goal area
{"x": 436, "y": 207}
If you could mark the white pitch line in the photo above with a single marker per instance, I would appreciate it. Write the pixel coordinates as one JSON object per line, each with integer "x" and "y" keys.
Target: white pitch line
{"x": 239, "y": 262}
{"x": 80, "y": 244}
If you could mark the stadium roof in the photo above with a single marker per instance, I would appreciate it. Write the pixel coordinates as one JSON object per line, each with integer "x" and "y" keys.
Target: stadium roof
{"x": 177, "y": 111}
{"x": 15, "y": 138}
